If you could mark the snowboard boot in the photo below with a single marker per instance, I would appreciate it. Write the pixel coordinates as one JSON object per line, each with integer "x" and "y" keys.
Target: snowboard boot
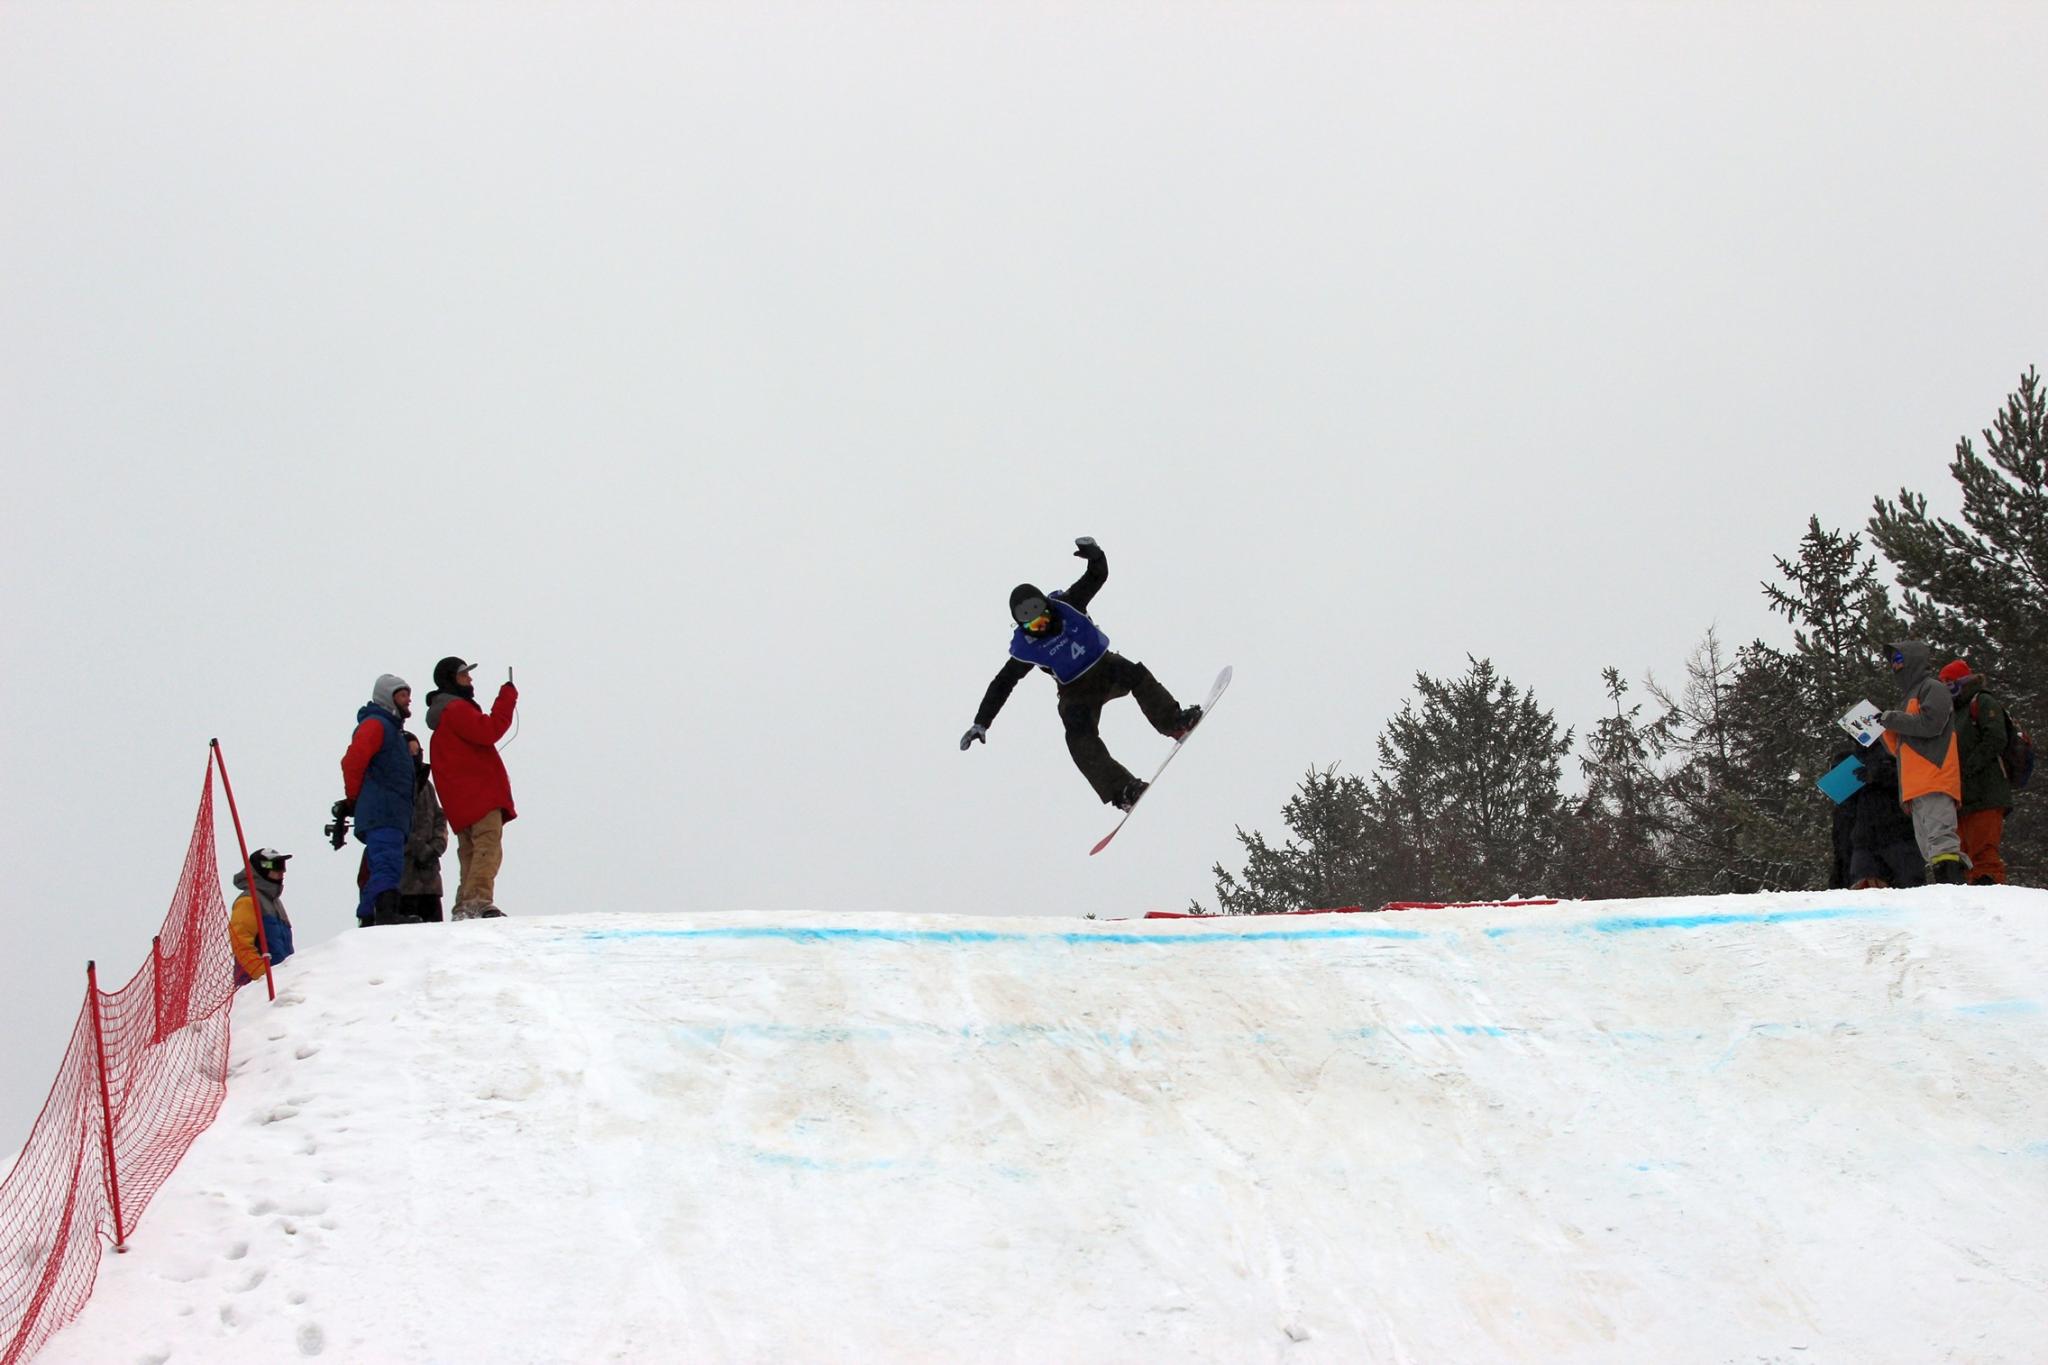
{"x": 464, "y": 910}
{"x": 1945, "y": 871}
{"x": 387, "y": 911}
{"x": 1128, "y": 797}
{"x": 1189, "y": 719}
{"x": 489, "y": 912}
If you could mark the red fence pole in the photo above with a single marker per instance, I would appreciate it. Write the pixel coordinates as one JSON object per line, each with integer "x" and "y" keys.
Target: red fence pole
{"x": 99, "y": 1047}
{"x": 248, "y": 872}
{"x": 156, "y": 988}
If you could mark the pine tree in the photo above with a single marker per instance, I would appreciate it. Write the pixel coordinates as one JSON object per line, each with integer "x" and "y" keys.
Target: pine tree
{"x": 1752, "y": 731}
{"x": 1835, "y": 598}
{"x": 1468, "y": 788}
{"x": 1842, "y": 620}
{"x": 1709, "y": 788}
{"x": 1614, "y": 844}
{"x": 1979, "y": 590}
{"x": 1329, "y": 862}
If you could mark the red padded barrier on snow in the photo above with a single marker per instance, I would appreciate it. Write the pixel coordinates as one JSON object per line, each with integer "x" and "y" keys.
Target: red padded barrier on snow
{"x": 165, "y": 1036}
{"x": 1462, "y": 905}
{"x": 1181, "y": 914}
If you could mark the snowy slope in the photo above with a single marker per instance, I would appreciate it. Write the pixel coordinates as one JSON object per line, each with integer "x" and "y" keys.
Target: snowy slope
{"x": 1808, "y": 1128}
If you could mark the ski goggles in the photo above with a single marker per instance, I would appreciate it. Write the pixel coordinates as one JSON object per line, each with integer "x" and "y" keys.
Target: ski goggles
{"x": 1898, "y": 659}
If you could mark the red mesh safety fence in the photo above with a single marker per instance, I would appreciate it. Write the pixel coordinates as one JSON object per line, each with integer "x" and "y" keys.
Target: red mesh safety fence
{"x": 108, "y": 1139}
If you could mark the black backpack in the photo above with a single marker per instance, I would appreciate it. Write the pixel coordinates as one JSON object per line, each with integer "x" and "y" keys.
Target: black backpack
{"x": 2017, "y": 758}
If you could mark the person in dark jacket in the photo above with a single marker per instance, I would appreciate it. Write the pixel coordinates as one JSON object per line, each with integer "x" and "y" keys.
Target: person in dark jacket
{"x": 470, "y": 777}
{"x": 256, "y": 952}
{"x": 1874, "y": 843}
{"x": 419, "y": 887}
{"x": 1981, "y": 731}
{"x": 1055, "y": 633}
{"x": 377, "y": 784}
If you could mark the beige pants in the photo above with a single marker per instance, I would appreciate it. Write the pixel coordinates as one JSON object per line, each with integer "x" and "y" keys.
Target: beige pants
{"x": 480, "y": 850}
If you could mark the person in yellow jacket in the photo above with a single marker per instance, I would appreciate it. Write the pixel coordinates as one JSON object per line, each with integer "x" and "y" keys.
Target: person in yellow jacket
{"x": 1922, "y": 733}
{"x": 250, "y": 962}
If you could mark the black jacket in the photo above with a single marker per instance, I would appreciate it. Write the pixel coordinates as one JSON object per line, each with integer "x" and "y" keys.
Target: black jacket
{"x": 1078, "y": 597}
{"x": 1871, "y": 819}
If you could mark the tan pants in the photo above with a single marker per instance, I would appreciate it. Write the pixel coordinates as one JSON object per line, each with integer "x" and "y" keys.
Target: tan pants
{"x": 480, "y": 850}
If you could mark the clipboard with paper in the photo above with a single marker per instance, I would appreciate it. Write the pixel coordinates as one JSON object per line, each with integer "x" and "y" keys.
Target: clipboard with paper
{"x": 1861, "y": 723}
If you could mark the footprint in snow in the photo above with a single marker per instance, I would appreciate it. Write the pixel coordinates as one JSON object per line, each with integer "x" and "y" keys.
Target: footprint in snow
{"x": 312, "y": 1341}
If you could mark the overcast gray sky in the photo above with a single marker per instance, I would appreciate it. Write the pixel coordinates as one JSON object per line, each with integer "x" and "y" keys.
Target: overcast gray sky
{"x": 723, "y": 366}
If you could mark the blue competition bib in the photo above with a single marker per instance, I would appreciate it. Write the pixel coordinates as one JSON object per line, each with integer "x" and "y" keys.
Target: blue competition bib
{"x": 1076, "y": 647}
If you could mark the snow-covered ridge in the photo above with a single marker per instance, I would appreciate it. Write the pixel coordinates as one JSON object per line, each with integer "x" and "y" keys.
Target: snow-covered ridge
{"x": 1790, "y": 1127}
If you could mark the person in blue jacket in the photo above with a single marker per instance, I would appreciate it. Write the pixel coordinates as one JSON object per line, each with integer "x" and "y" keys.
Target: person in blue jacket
{"x": 1055, "y": 633}
{"x": 377, "y": 788}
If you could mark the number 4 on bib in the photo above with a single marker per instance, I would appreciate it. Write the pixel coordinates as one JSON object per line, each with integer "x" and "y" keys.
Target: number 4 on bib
{"x": 1208, "y": 709}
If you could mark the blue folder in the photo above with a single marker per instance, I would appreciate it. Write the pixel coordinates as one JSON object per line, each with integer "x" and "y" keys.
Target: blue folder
{"x": 1843, "y": 780}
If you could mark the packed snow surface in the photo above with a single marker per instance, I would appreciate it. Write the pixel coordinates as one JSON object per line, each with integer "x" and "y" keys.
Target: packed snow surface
{"x": 1794, "y": 1128}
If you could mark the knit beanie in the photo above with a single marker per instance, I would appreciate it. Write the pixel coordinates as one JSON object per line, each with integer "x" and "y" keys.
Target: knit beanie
{"x": 445, "y": 671}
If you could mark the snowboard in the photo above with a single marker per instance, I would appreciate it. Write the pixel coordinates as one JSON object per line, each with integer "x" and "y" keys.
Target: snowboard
{"x": 1208, "y": 708}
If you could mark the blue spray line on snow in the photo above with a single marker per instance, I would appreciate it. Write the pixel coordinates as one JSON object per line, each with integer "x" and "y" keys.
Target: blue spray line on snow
{"x": 954, "y": 937}
{"x": 1633, "y": 924}
{"x": 1615, "y": 924}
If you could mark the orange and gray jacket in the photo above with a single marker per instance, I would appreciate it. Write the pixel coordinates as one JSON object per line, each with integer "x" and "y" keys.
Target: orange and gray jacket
{"x": 1922, "y": 731}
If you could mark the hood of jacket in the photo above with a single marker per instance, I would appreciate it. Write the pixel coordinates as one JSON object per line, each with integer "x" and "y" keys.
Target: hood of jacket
{"x": 267, "y": 900}
{"x": 1919, "y": 665}
{"x": 439, "y": 700}
{"x": 384, "y": 695}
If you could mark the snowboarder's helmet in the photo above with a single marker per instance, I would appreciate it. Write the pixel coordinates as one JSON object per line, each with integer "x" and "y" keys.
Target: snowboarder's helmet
{"x": 1027, "y": 605}
{"x": 269, "y": 860}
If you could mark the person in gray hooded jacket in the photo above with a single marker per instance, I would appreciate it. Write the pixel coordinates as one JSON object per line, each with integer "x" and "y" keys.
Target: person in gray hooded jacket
{"x": 1921, "y": 731}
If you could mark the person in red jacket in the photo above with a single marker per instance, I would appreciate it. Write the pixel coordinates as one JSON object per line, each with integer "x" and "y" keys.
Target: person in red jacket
{"x": 471, "y": 780}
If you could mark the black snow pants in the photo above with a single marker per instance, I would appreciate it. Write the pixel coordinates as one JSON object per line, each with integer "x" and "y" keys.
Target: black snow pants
{"x": 1081, "y": 703}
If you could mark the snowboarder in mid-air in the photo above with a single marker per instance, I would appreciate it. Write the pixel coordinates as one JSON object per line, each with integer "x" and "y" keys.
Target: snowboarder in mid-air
{"x": 1054, "y": 633}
